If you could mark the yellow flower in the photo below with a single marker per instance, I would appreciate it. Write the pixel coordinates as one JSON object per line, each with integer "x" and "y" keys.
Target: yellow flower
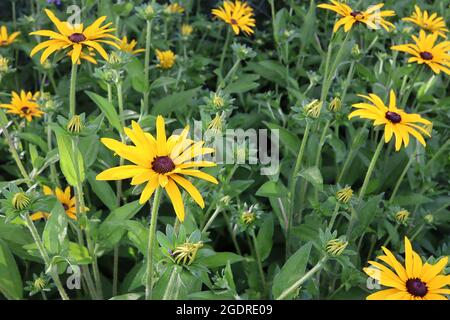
{"x": 239, "y": 15}
{"x": 413, "y": 281}
{"x": 336, "y": 247}
{"x": 24, "y": 105}
{"x": 372, "y": 17}
{"x": 185, "y": 254}
{"x": 66, "y": 200}
{"x": 160, "y": 162}
{"x": 5, "y": 39}
{"x": 344, "y": 195}
{"x": 20, "y": 201}
{"x": 248, "y": 217}
{"x": 166, "y": 59}
{"x": 431, "y": 23}
{"x": 314, "y": 108}
{"x": 426, "y": 51}
{"x": 4, "y": 65}
{"x": 396, "y": 121}
{"x": 88, "y": 56}
{"x": 186, "y": 30}
{"x": 75, "y": 125}
{"x": 402, "y": 216}
{"x": 126, "y": 46}
{"x": 174, "y": 8}
{"x": 74, "y": 37}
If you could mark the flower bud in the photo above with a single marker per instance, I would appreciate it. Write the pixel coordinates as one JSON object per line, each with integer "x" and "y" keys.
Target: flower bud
{"x": 336, "y": 247}
{"x": 20, "y": 201}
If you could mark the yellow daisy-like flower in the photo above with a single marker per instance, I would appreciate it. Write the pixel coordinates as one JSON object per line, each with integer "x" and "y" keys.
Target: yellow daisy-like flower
{"x": 186, "y": 30}
{"x": 160, "y": 162}
{"x": 166, "y": 59}
{"x": 75, "y": 37}
{"x": 24, "y": 105}
{"x": 426, "y": 51}
{"x": 5, "y": 39}
{"x": 431, "y": 23}
{"x": 66, "y": 200}
{"x": 396, "y": 121}
{"x": 88, "y": 56}
{"x": 413, "y": 281}
{"x": 373, "y": 17}
{"x": 126, "y": 46}
{"x": 239, "y": 15}
{"x": 174, "y": 8}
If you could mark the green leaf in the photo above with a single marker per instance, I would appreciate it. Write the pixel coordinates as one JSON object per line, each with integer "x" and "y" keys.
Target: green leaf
{"x": 67, "y": 157}
{"x": 264, "y": 239}
{"x": 111, "y": 230}
{"x": 309, "y": 25}
{"x": 107, "y": 108}
{"x": 290, "y": 140}
{"x": 78, "y": 255}
{"x": 270, "y": 70}
{"x": 135, "y": 68}
{"x": 175, "y": 101}
{"x": 10, "y": 279}
{"x": 219, "y": 259}
{"x": 292, "y": 271}
{"x": 55, "y": 232}
{"x": 162, "y": 82}
{"x": 313, "y": 176}
{"x": 272, "y": 188}
{"x": 34, "y": 139}
{"x": 245, "y": 82}
{"x": 103, "y": 191}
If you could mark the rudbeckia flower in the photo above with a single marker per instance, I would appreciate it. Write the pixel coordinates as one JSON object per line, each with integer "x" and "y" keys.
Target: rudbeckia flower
{"x": 426, "y": 51}
{"x": 126, "y": 46}
{"x": 372, "y": 17}
{"x": 431, "y": 23}
{"x": 414, "y": 280}
{"x": 396, "y": 121}
{"x": 239, "y": 15}
{"x": 166, "y": 59}
{"x": 66, "y": 200}
{"x": 174, "y": 8}
{"x": 74, "y": 37}
{"x": 24, "y": 105}
{"x": 5, "y": 39}
{"x": 160, "y": 162}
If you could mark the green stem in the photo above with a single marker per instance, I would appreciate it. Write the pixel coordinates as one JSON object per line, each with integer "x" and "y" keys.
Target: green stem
{"x": 229, "y": 74}
{"x": 211, "y": 220}
{"x": 334, "y": 216}
{"x": 402, "y": 176}
{"x": 224, "y": 51}
{"x": 148, "y": 38}
{"x": 45, "y": 257}
{"x": 303, "y": 279}
{"x": 259, "y": 262}
{"x": 293, "y": 184}
{"x": 73, "y": 85}
{"x": 151, "y": 244}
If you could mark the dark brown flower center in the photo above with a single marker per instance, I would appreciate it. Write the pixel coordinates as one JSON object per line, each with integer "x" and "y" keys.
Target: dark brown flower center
{"x": 65, "y": 206}
{"x": 416, "y": 287}
{"x": 163, "y": 165}
{"x": 426, "y": 55}
{"x": 356, "y": 14}
{"x": 3, "y": 43}
{"x": 25, "y": 110}
{"x": 393, "y": 117}
{"x": 233, "y": 21}
{"x": 77, "y": 37}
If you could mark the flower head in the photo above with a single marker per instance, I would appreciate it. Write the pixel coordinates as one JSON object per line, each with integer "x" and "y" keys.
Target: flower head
{"x": 166, "y": 59}
{"x": 335, "y": 105}
{"x": 20, "y": 201}
{"x": 24, "y": 105}
{"x": 344, "y": 195}
{"x": 128, "y": 47}
{"x": 66, "y": 200}
{"x": 174, "y": 8}
{"x": 402, "y": 216}
{"x": 75, "y": 38}
{"x": 238, "y": 14}
{"x": 396, "y": 121}
{"x": 424, "y": 50}
{"x": 5, "y": 39}
{"x": 186, "y": 30}
{"x": 185, "y": 254}
{"x": 336, "y": 247}
{"x": 313, "y": 109}
{"x": 428, "y": 22}
{"x": 413, "y": 281}
{"x": 4, "y": 65}
{"x": 373, "y": 17}
{"x": 75, "y": 125}
{"x": 160, "y": 162}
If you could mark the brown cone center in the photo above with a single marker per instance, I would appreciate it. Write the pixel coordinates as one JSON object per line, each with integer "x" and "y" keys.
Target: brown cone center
{"x": 393, "y": 117}
{"x": 426, "y": 55}
{"x": 416, "y": 287}
{"x": 77, "y": 37}
{"x": 163, "y": 165}
{"x": 25, "y": 110}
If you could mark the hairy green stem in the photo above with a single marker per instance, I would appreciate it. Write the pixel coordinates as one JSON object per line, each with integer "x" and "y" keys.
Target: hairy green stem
{"x": 148, "y": 37}
{"x": 73, "y": 89}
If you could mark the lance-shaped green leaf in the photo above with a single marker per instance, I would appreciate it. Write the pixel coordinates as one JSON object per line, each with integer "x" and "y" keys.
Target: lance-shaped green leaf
{"x": 107, "y": 108}
{"x": 55, "y": 232}
{"x": 10, "y": 279}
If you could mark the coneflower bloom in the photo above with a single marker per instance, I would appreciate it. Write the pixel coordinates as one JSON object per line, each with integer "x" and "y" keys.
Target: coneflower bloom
{"x": 414, "y": 280}
{"x": 24, "y": 105}
{"x": 66, "y": 200}
{"x": 396, "y": 121}
{"x": 239, "y": 15}
{"x": 128, "y": 47}
{"x": 160, "y": 162}
{"x": 166, "y": 59}
{"x": 425, "y": 51}
{"x": 5, "y": 39}
{"x": 431, "y": 23}
{"x": 174, "y": 8}
{"x": 372, "y": 17}
{"x": 74, "y": 38}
